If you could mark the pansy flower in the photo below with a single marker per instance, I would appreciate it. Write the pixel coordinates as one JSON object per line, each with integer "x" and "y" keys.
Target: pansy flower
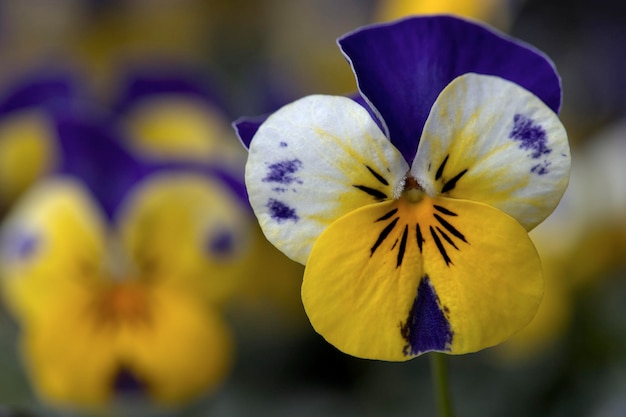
{"x": 101, "y": 264}
{"x": 410, "y": 205}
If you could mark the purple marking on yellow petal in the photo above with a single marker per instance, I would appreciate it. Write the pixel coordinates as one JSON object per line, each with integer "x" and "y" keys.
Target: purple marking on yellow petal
{"x": 530, "y": 135}
{"x": 426, "y": 328}
{"x": 125, "y": 382}
{"x": 281, "y": 212}
{"x": 282, "y": 172}
{"x": 22, "y": 245}
{"x": 221, "y": 243}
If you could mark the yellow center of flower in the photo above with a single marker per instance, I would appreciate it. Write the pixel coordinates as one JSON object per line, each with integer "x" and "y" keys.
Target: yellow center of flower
{"x": 413, "y": 192}
{"x": 123, "y": 302}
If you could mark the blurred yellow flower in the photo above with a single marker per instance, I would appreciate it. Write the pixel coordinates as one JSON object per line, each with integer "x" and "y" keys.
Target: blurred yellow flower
{"x": 106, "y": 310}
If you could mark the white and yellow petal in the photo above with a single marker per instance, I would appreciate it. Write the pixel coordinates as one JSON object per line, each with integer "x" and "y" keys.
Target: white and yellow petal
{"x": 52, "y": 245}
{"x": 489, "y": 140}
{"x": 313, "y": 161}
{"x": 394, "y": 280}
{"x": 188, "y": 230}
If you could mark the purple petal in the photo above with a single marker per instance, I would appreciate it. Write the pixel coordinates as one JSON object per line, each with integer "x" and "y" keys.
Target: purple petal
{"x": 232, "y": 181}
{"x": 402, "y": 67}
{"x": 92, "y": 152}
{"x": 142, "y": 84}
{"x": 246, "y": 128}
{"x": 37, "y": 90}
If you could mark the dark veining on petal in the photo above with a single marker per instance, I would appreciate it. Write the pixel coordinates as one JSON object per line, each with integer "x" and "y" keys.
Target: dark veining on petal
{"x": 450, "y": 184}
{"x": 439, "y": 172}
{"x": 446, "y": 237}
{"x": 383, "y": 235}
{"x": 442, "y": 249}
{"x": 402, "y": 248}
{"x": 387, "y": 215}
{"x": 378, "y": 195}
{"x": 281, "y": 212}
{"x": 282, "y": 172}
{"x": 444, "y": 210}
{"x": 450, "y": 228}
{"x": 379, "y": 177}
{"x": 542, "y": 168}
{"x": 531, "y": 136}
{"x": 420, "y": 238}
{"x": 426, "y": 327}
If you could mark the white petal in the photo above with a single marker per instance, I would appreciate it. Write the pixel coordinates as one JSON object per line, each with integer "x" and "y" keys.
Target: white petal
{"x": 313, "y": 161}
{"x": 489, "y": 140}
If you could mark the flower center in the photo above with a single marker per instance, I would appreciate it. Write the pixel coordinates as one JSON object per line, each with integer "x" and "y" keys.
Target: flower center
{"x": 413, "y": 191}
{"x": 123, "y": 302}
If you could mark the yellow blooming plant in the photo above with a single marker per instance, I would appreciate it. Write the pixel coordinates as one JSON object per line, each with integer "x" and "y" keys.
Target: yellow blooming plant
{"x": 410, "y": 204}
{"x": 110, "y": 272}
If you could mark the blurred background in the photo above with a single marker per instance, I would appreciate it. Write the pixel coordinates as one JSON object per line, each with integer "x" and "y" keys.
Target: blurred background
{"x": 226, "y": 59}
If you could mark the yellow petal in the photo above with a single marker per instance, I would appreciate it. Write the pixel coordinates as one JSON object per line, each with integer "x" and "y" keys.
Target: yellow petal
{"x": 27, "y": 151}
{"x": 393, "y": 280}
{"x": 184, "y": 349}
{"x": 70, "y": 361}
{"x": 188, "y": 230}
{"x": 51, "y": 243}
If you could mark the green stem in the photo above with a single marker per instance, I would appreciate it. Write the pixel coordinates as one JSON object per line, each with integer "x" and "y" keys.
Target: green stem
{"x": 439, "y": 369}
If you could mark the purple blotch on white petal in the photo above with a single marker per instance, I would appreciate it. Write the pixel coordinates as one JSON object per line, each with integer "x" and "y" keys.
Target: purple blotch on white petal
{"x": 530, "y": 135}
{"x": 542, "y": 168}
{"x": 280, "y": 211}
{"x": 282, "y": 172}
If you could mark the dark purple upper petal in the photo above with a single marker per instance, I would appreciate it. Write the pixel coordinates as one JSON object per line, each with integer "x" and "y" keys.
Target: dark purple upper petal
{"x": 402, "y": 67}
{"x": 92, "y": 152}
{"x": 246, "y": 128}
{"x": 140, "y": 84}
{"x": 37, "y": 90}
